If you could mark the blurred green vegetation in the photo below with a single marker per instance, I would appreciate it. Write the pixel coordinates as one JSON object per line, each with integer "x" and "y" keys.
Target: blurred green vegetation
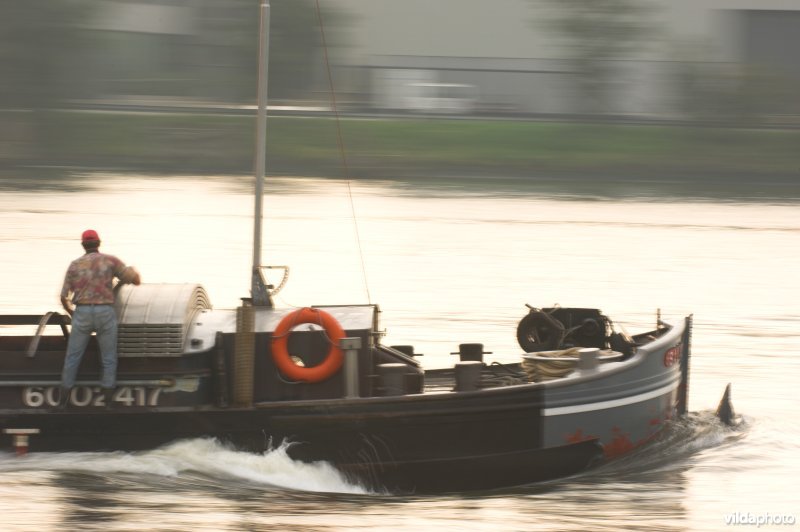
{"x": 386, "y": 148}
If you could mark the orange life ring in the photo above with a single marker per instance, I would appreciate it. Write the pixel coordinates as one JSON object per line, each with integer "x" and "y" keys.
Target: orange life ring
{"x": 280, "y": 340}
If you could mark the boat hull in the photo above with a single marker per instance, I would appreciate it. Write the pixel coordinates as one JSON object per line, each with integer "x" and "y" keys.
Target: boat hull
{"x": 406, "y": 444}
{"x": 446, "y": 439}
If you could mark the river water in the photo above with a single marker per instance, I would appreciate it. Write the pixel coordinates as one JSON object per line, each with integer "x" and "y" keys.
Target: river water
{"x": 448, "y": 262}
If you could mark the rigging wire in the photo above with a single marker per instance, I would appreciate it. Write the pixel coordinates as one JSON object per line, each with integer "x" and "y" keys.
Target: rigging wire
{"x": 340, "y": 143}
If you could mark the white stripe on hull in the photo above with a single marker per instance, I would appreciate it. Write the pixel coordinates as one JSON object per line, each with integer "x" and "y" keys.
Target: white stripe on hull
{"x": 604, "y": 405}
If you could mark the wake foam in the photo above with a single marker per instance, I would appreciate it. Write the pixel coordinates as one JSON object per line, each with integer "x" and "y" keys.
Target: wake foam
{"x": 203, "y": 456}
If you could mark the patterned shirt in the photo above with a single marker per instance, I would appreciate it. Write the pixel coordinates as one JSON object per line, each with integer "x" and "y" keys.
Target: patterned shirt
{"x": 89, "y": 278}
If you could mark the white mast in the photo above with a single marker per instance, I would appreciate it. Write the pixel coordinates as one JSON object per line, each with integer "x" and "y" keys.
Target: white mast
{"x": 258, "y": 287}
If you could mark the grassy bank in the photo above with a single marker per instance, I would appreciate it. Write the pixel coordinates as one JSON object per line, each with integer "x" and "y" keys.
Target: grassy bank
{"x": 194, "y": 144}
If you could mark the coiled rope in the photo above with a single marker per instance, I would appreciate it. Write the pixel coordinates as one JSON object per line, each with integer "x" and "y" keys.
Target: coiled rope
{"x": 541, "y": 370}
{"x": 501, "y": 375}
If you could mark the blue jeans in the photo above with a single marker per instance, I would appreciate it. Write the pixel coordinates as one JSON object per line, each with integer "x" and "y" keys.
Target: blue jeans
{"x": 87, "y": 319}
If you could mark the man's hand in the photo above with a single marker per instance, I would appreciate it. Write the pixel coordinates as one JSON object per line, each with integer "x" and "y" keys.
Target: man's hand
{"x": 130, "y": 275}
{"x": 67, "y": 305}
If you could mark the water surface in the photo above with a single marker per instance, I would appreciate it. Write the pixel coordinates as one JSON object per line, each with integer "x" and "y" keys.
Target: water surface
{"x": 448, "y": 262}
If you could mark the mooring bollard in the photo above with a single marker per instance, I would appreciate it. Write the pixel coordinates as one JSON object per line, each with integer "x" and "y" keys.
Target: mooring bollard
{"x": 21, "y": 438}
{"x": 471, "y": 352}
{"x": 406, "y": 350}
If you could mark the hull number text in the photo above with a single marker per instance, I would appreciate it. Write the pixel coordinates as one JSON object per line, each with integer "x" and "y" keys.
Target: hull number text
{"x": 38, "y": 396}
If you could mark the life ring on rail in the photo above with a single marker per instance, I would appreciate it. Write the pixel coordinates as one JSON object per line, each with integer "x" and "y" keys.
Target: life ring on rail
{"x": 280, "y": 341}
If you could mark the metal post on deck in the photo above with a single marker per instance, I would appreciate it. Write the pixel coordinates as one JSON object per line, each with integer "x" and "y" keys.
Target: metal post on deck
{"x": 244, "y": 356}
{"x": 468, "y": 375}
{"x": 258, "y": 286}
{"x": 351, "y": 347}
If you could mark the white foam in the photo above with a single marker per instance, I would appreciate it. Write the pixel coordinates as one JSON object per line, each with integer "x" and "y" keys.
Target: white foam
{"x": 204, "y": 456}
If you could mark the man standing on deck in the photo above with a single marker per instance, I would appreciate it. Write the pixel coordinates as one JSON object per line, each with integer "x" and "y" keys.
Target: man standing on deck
{"x": 88, "y": 286}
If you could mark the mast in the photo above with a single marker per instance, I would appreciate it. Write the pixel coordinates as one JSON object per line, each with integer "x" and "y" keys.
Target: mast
{"x": 258, "y": 287}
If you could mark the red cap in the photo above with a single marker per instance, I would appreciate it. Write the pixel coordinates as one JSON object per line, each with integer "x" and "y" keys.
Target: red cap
{"x": 90, "y": 235}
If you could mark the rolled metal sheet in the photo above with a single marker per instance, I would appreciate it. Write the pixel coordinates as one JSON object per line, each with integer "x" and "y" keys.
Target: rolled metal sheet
{"x": 154, "y": 319}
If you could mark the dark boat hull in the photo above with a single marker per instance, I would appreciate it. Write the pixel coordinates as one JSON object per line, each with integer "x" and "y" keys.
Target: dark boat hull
{"x": 415, "y": 444}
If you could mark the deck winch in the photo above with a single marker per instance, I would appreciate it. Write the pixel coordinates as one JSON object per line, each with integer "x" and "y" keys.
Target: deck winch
{"x": 557, "y": 328}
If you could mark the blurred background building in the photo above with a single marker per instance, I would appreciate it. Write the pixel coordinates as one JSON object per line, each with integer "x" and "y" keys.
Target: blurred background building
{"x": 726, "y": 61}
{"x": 626, "y": 57}
{"x": 654, "y": 58}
